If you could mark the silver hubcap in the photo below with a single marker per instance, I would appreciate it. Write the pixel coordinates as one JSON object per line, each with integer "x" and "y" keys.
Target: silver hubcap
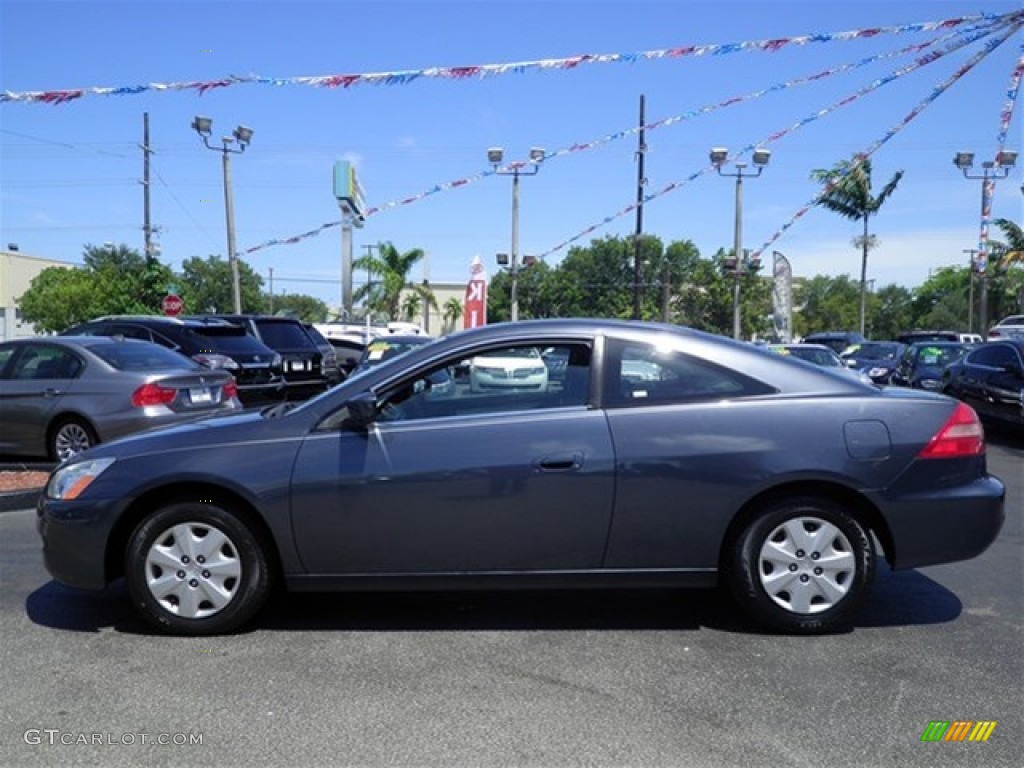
{"x": 71, "y": 439}
{"x": 193, "y": 570}
{"x": 807, "y": 565}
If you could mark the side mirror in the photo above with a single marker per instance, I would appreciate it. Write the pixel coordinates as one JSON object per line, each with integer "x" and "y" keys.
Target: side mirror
{"x": 362, "y": 411}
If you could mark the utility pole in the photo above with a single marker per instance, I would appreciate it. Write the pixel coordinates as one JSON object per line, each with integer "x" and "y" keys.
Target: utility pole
{"x": 640, "y": 182}
{"x": 271, "y": 289}
{"x": 147, "y": 227}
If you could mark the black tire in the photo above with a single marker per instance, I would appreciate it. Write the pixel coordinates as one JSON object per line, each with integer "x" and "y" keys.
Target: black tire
{"x": 829, "y": 561}
{"x": 196, "y": 569}
{"x": 69, "y": 436}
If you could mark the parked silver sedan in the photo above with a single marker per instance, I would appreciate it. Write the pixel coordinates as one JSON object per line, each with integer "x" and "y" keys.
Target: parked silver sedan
{"x": 62, "y": 394}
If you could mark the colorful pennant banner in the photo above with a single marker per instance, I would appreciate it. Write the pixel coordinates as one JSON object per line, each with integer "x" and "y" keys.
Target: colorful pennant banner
{"x": 960, "y": 42}
{"x": 968, "y": 36}
{"x": 479, "y": 71}
{"x": 861, "y": 157}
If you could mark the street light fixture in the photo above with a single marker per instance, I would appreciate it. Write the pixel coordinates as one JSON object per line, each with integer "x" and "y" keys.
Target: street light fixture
{"x": 760, "y": 158}
{"x": 495, "y": 156}
{"x": 241, "y": 136}
{"x": 991, "y": 170}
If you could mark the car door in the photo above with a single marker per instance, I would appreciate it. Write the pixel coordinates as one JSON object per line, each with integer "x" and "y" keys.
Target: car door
{"x": 35, "y": 382}
{"x": 457, "y": 481}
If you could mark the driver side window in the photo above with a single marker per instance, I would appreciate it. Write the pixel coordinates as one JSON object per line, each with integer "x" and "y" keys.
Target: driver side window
{"x": 513, "y": 378}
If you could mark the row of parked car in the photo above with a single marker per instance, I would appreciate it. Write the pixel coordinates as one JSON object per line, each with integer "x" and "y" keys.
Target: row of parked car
{"x": 987, "y": 375}
{"x": 97, "y": 380}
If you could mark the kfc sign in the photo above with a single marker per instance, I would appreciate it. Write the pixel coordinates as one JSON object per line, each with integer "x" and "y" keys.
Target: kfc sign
{"x": 474, "y": 312}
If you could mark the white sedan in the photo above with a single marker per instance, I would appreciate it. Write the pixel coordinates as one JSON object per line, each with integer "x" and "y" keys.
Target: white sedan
{"x": 516, "y": 368}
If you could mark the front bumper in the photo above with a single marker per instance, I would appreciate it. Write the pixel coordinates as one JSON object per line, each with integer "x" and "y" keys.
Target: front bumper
{"x": 75, "y": 537}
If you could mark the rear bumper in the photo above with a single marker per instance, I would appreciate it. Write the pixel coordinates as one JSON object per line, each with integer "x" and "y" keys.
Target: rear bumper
{"x": 946, "y": 525}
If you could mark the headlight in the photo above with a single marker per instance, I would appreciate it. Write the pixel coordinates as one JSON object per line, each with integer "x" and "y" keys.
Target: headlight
{"x": 71, "y": 481}
{"x": 876, "y": 372}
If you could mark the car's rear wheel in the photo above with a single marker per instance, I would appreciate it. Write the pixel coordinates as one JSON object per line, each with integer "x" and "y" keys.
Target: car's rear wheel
{"x": 70, "y": 436}
{"x": 803, "y": 566}
{"x": 196, "y": 569}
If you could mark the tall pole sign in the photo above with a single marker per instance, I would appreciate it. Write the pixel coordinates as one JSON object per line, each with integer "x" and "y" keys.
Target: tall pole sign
{"x": 474, "y": 312}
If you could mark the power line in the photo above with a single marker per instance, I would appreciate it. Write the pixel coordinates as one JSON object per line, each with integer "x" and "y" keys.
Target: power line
{"x": 64, "y": 144}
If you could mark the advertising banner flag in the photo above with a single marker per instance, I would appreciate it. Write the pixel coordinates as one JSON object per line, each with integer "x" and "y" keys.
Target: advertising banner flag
{"x": 782, "y": 297}
{"x": 474, "y": 311}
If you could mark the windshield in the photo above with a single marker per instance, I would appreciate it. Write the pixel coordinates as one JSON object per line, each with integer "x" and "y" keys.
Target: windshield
{"x": 380, "y": 350}
{"x": 283, "y": 335}
{"x": 874, "y": 352}
{"x": 142, "y": 356}
{"x": 940, "y": 356}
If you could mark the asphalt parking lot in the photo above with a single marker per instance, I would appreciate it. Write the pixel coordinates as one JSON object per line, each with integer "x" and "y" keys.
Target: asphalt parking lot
{"x": 661, "y": 678}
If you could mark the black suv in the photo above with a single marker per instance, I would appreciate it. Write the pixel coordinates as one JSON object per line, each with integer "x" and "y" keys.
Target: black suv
{"x": 303, "y": 370}
{"x": 256, "y": 367}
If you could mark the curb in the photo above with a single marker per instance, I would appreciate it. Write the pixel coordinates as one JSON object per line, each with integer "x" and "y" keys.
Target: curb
{"x": 16, "y": 500}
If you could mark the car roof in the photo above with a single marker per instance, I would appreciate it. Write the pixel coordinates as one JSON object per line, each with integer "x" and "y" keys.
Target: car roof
{"x": 73, "y": 340}
{"x": 401, "y": 338}
{"x": 163, "y": 320}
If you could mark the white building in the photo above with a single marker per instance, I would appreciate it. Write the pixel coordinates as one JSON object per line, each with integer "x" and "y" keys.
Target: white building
{"x": 16, "y": 273}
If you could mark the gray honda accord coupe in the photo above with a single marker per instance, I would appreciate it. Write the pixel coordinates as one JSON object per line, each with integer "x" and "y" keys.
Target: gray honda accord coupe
{"x": 723, "y": 464}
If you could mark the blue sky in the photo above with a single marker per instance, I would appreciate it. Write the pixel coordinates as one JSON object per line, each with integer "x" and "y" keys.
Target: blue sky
{"x": 70, "y": 173}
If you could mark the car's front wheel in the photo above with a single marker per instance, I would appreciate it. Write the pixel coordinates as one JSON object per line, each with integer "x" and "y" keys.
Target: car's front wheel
{"x": 196, "y": 569}
{"x": 802, "y": 566}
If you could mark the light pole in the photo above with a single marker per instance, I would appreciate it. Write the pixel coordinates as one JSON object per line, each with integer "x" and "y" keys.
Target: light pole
{"x": 242, "y": 136}
{"x": 719, "y": 156}
{"x": 971, "y": 253}
{"x": 530, "y": 167}
{"x": 990, "y": 171}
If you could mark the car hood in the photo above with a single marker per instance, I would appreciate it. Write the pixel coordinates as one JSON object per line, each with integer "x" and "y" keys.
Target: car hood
{"x": 193, "y": 434}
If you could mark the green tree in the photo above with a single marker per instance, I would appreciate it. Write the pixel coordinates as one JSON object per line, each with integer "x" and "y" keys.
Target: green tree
{"x": 59, "y": 297}
{"x": 890, "y": 312}
{"x": 452, "y": 314}
{"x": 412, "y": 306}
{"x": 115, "y": 280}
{"x": 309, "y": 309}
{"x": 128, "y": 282}
{"x": 824, "y": 303}
{"x": 390, "y": 269}
{"x": 941, "y": 302}
{"x": 1006, "y": 276}
{"x": 847, "y": 192}
{"x": 205, "y": 286}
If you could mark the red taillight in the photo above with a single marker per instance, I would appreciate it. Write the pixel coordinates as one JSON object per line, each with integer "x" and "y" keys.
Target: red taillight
{"x": 152, "y": 394}
{"x": 994, "y": 334}
{"x": 962, "y": 435}
{"x": 230, "y": 390}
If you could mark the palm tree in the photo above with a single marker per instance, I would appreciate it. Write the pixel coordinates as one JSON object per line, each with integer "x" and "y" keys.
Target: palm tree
{"x": 391, "y": 268}
{"x": 1003, "y": 255}
{"x": 412, "y": 304}
{"x": 848, "y": 192}
{"x": 1006, "y": 253}
{"x": 452, "y": 313}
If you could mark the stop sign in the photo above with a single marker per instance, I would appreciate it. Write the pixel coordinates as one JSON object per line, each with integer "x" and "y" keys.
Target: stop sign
{"x": 172, "y": 305}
